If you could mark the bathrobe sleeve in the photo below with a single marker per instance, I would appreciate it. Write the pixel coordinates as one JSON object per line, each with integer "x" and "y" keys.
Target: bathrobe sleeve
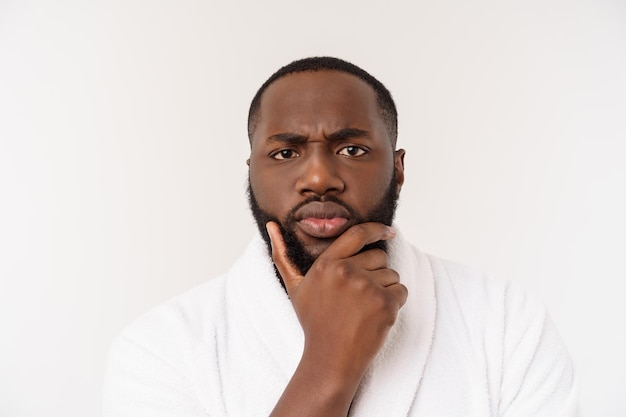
{"x": 141, "y": 382}
{"x": 538, "y": 375}
{"x": 163, "y": 363}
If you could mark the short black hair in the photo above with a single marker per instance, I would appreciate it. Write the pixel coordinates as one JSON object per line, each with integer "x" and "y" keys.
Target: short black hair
{"x": 325, "y": 63}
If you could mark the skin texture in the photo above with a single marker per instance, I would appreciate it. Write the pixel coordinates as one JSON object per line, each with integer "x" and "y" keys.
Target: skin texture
{"x": 296, "y": 251}
{"x": 321, "y": 147}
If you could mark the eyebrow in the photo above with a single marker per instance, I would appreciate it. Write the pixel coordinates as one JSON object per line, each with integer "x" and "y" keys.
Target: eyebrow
{"x": 347, "y": 133}
{"x": 342, "y": 134}
{"x": 287, "y": 138}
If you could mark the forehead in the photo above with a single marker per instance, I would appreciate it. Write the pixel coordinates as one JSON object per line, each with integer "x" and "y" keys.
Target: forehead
{"x": 325, "y": 99}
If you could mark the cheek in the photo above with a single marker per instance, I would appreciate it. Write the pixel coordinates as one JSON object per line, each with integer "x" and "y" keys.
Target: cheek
{"x": 369, "y": 189}
{"x": 270, "y": 191}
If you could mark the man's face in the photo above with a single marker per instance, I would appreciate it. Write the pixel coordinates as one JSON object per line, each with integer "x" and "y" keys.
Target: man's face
{"x": 321, "y": 160}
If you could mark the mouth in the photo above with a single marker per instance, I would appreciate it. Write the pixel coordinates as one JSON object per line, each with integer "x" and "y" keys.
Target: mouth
{"x": 322, "y": 220}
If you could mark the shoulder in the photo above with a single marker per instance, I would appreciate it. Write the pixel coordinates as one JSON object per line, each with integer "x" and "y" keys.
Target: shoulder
{"x": 171, "y": 333}
{"x": 488, "y": 310}
{"x": 508, "y": 330}
{"x": 184, "y": 317}
{"x": 474, "y": 290}
{"x": 154, "y": 363}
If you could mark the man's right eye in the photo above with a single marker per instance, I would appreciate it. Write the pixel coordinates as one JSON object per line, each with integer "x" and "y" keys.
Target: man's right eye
{"x": 285, "y": 154}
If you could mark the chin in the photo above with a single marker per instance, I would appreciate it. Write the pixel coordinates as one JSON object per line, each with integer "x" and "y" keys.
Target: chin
{"x": 316, "y": 249}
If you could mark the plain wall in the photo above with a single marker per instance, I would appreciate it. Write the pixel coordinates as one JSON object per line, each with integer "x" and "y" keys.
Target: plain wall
{"x": 123, "y": 148}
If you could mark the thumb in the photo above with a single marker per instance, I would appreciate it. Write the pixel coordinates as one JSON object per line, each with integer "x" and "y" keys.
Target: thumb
{"x": 291, "y": 276}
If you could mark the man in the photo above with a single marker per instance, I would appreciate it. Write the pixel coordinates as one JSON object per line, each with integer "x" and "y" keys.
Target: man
{"x": 330, "y": 312}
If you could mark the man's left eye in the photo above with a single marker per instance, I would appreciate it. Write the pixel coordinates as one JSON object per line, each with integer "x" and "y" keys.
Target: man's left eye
{"x": 352, "y": 151}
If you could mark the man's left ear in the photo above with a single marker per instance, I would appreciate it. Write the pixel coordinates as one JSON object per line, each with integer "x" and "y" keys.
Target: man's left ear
{"x": 399, "y": 167}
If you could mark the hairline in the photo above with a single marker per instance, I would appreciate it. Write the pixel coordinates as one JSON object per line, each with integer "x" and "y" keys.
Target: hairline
{"x": 384, "y": 100}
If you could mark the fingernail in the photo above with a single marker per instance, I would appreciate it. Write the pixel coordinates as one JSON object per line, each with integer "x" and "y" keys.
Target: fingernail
{"x": 269, "y": 233}
{"x": 390, "y": 231}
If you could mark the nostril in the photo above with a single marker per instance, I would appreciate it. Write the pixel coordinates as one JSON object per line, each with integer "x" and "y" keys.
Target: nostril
{"x": 320, "y": 181}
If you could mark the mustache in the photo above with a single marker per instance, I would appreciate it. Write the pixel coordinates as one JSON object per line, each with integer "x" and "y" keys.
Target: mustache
{"x": 322, "y": 199}
{"x": 382, "y": 212}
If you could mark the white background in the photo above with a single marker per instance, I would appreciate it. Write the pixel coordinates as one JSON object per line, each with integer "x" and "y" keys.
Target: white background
{"x": 123, "y": 147}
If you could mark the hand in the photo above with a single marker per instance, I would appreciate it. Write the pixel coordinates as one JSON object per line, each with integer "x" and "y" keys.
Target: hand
{"x": 346, "y": 303}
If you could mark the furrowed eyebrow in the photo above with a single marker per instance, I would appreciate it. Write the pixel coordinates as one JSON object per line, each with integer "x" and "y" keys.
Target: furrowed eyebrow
{"x": 343, "y": 134}
{"x": 293, "y": 138}
{"x": 347, "y": 133}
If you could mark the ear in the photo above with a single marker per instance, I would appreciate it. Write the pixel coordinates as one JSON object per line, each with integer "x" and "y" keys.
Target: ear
{"x": 398, "y": 162}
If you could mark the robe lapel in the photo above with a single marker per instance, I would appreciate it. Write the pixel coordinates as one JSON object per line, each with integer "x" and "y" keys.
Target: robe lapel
{"x": 392, "y": 381}
{"x": 265, "y": 340}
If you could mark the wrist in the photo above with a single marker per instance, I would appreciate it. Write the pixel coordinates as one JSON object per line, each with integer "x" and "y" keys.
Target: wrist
{"x": 336, "y": 376}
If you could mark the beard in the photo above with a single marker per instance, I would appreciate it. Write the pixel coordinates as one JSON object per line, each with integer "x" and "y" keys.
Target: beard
{"x": 383, "y": 212}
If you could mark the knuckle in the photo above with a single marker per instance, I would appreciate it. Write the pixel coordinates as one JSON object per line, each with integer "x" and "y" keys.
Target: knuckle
{"x": 360, "y": 284}
{"x": 391, "y": 319}
{"x": 321, "y": 264}
{"x": 405, "y": 294}
{"x": 379, "y": 255}
{"x": 387, "y": 308}
{"x": 345, "y": 270}
{"x": 359, "y": 231}
{"x": 380, "y": 302}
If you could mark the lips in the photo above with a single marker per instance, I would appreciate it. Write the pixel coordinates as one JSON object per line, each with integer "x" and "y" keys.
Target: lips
{"x": 322, "y": 220}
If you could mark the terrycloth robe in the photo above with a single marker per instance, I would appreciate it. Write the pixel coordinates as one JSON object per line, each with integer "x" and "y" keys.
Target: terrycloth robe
{"x": 463, "y": 345}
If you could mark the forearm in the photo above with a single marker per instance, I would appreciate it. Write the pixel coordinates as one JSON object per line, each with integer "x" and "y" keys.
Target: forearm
{"x": 346, "y": 304}
{"x": 317, "y": 390}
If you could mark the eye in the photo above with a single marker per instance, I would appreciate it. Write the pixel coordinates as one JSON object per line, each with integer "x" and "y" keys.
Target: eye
{"x": 285, "y": 154}
{"x": 352, "y": 151}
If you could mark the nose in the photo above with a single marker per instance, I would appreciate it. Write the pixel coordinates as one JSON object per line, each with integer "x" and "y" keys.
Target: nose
{"x": 319, "y": 174}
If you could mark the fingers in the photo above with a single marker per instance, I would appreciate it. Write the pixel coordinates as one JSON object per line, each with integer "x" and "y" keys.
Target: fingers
{"x": 291, "y": 276}
{"x": 399, "y": 293}
{"x": 372, "y": 259}
{"x": 346, "y": 246}
{"x": 385, "y": 277}
{"x": 375, "y": 261}
{"x": 390, "y": 281}
{"x": 356, "y": 237}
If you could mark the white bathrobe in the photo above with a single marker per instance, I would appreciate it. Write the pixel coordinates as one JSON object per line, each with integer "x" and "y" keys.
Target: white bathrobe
{"x": 463, "y": 345}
